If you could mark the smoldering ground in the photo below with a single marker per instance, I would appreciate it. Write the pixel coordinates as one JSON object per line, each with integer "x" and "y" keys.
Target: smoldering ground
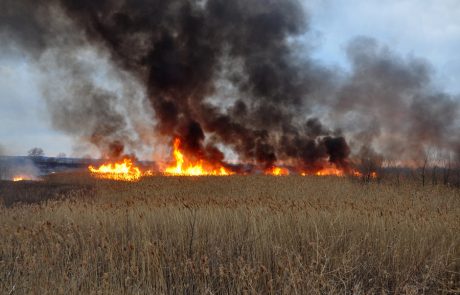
{"x": 224, "y": 73}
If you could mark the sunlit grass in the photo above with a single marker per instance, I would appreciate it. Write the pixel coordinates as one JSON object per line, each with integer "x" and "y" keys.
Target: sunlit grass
{"x": 233, "y": 235}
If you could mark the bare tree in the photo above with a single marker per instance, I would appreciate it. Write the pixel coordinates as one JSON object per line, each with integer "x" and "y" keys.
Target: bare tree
{"x": 3, "y": 166}
{"x": 425, "y": 163}
{"x": 425, "y": 166}
{"x": 2, "y": 169}
{"x": 457, "y": 169}
{"x": 36, "y": 152}
{"x": 447, "y": 169}
{"x": 434, "y": 178}
{"x": 370, "y": 164}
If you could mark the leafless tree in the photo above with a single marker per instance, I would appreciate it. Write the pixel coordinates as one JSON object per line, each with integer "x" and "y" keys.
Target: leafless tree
{"x": 425, "y": 166}
{"x": 434, "y": 177}
{"x": 36, "y": 152}
{"x": 370, "y": 163}
{"x": 3, "y": 167}
{"x": 447, "y": 166}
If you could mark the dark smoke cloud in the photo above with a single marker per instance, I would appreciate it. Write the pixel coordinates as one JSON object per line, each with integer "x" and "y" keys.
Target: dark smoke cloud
{"x": 221, "y": 72}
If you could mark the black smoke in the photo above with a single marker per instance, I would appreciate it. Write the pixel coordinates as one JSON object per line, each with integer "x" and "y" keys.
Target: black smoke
{"x": 187, "y": 53}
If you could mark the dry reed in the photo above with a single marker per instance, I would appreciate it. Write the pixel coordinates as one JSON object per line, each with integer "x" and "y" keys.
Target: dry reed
{"x": 234, "y": 235}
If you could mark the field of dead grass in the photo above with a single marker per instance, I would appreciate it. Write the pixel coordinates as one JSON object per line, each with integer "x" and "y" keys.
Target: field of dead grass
{"x": 230, "y": 235}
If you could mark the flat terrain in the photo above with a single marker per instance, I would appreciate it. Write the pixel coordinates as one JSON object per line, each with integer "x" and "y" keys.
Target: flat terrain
{"x": 228, "y": 235}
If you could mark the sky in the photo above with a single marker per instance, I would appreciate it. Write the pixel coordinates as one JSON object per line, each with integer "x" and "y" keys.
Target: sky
{"x": 428, "y": 29}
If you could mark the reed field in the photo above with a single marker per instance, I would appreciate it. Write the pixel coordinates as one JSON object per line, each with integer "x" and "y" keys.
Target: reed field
{"x": 228, "y": 235}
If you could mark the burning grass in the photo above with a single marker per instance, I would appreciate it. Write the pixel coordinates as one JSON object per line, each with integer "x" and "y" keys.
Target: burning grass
{"x": 125, "y": 170}
{"x": 230, "y": 235}
{"x": 193, "y": 164}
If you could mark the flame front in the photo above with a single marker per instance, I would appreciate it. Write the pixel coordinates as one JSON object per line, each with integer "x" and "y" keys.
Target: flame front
{"x": 334, "y": 171}
{"x": 192, "y": 165}
{"x": 123, "y": 171}
{"x": 277, "y": 171}
{"x": 187, "y": 167}
{"x": 24, "y": 177}
{"x": 330, "y": 171}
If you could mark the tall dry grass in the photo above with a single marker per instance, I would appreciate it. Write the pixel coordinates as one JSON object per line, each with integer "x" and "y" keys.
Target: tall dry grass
{"x": 234, "y": 235}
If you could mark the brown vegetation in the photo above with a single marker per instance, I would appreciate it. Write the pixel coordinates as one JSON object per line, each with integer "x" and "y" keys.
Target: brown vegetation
{"x": 231, "y": 235}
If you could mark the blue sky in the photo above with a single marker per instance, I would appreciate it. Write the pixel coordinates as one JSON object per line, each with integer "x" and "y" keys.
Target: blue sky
{"x": 424, "y": 28}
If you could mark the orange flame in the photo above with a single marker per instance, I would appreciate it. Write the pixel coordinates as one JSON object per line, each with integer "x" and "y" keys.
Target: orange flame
{"x": 334, "y": 171}
{"x": 330, "y": 171}
{"x": 123, "y": 171}
{"x": 186, "y": 167}
{"x": 371, "y": 175}
{"x": 357, "y": 173}
{"x": 24, "y": 177}
{"x": 276, "y": 171}
{"x": 326, "y": 171}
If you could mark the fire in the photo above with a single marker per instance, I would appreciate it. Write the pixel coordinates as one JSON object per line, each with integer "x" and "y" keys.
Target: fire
{"x": 371, "y": 175}
{"x": 325, "y": 171}
{"x": 357, "y": 173}
{"x": 123, "y": 171}
{"x": 277, "y": 171}
{"x": 334, "y": 171}
{"x": 187, "y": 167}
{"x": 192, "y": 165}
{"x": 330, "y": 171}
{"x": 24, "y": 177}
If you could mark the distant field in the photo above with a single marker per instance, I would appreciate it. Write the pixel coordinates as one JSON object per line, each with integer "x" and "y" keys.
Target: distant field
{"x": 228, "y": 235}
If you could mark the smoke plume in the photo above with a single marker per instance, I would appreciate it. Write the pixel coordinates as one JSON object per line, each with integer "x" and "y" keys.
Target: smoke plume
{"x": 396, "y": 97}
{"x": 224, "y": 73}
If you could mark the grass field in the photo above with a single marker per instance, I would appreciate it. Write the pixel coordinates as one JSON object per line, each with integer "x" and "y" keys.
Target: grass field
{"x": 228, "y": 235}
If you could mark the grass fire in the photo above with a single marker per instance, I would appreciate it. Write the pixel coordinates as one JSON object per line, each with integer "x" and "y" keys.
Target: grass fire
{"x": 184, "y": 166}
{"x": 229, "y": 147}
{"x": 123, "y": 171}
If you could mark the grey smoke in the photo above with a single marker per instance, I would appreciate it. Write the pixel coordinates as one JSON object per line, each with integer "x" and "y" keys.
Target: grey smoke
{"x": 392, "y": 102}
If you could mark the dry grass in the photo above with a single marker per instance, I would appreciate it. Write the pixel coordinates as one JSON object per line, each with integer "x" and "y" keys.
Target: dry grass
{"x": 233, "y": 235}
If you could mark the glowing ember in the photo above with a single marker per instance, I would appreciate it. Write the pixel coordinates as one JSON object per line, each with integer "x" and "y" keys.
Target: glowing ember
{"x": 277, "y": 171}
{"x": 18, "y": 178}
{"x": 123, "y": 171}
{"x": 187, "y": 167}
